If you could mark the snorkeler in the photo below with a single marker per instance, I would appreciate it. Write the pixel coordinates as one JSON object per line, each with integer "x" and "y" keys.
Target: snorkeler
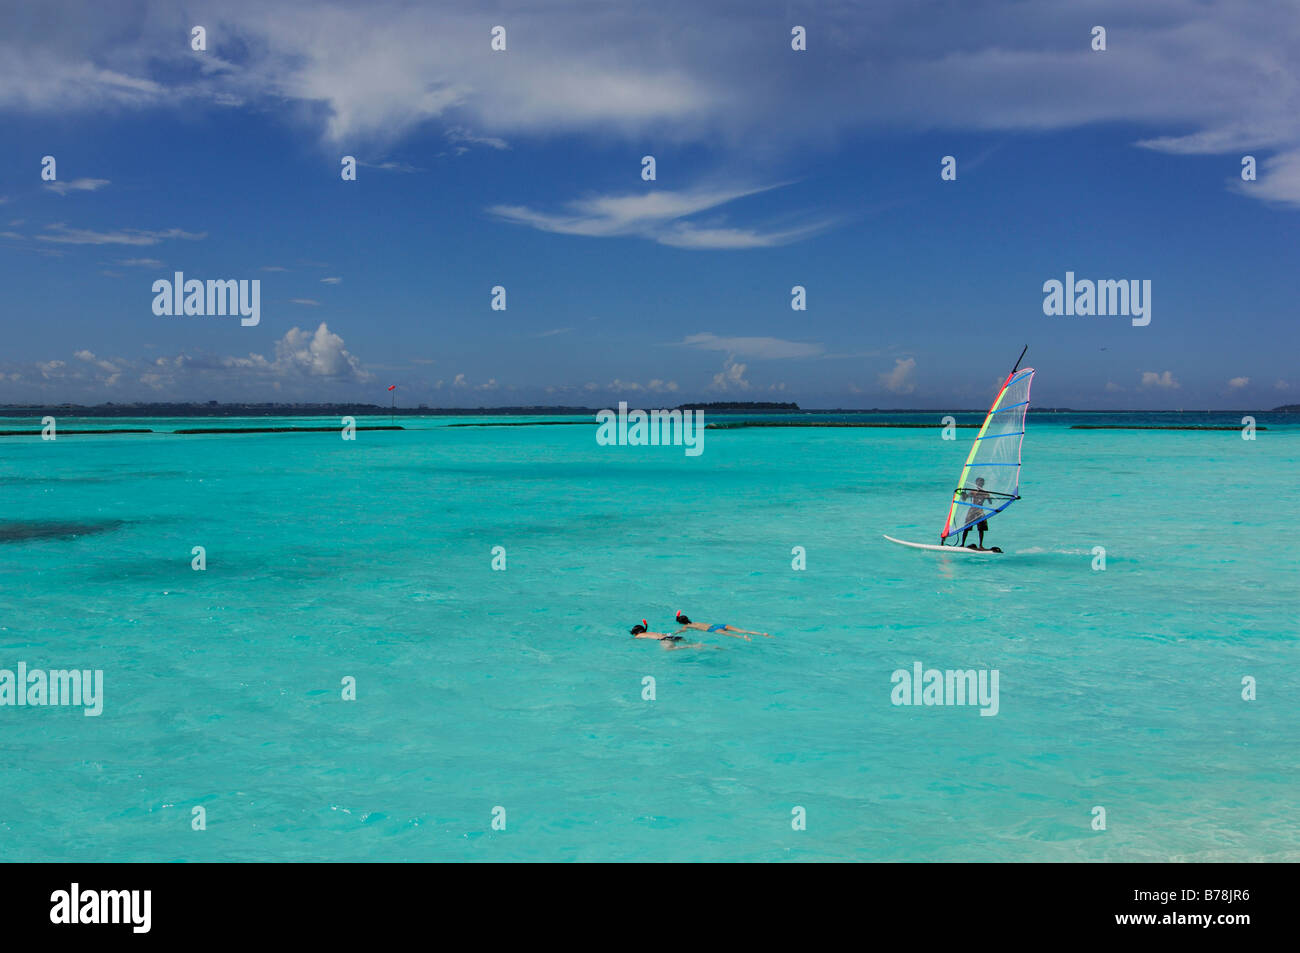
{"x": 722, "y": 627}
{"x": 668, "y": 641}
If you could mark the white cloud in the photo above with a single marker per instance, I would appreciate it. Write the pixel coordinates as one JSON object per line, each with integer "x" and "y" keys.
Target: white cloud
{"x": 899, "y": 379}
{"x": 461, "y": 135}
{"x": 331, "y": 281}
{"x": 758, "y": 348}
{"x": 90, "y": 358}
{"x": 1163, "y": 381}
{"x": 304, "y": 361}
{"x": 319, "y": 353}
{"x": 1200, "y": 75}
{"x": 76, "y": 185}
{"x": 1113, "y": 388}
{"x": 390, "y": 166}
{"x": 140, "y": 262}
{"x": 731, "y": 377}
{"x": 686, "y": 235}
{"x": 1279, "y": 180}
{"x": 657, "y": 216}
{"x": 383, "y": 68}
{"x": 309, "y": 302}
{"x": 1238, "y": 382}
{"x": 61, "y": 234}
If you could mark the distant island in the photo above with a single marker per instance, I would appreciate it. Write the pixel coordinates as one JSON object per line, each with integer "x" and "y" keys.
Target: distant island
{"x": 214, "y": 408}
{"x": 748, "y": 406}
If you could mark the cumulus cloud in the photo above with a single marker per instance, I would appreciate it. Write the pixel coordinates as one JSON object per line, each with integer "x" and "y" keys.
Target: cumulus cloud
{"x": 731, "y": 377}
{"x": 90, "y": 358}
{"x": 899, "y": 379}
{"x": 1238, "y": 382}
{"x": 317, "y": 353}
{"x": 304, "y": 361}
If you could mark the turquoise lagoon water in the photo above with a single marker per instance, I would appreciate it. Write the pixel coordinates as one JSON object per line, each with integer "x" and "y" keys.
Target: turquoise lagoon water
{"x": 522, "y": 689}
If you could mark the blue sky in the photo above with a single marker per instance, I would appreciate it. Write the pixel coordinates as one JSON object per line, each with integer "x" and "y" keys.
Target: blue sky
{"x": 775, "y": 168}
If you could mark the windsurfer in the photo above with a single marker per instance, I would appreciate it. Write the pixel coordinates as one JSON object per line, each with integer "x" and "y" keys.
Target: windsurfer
{"x": 976, "y": 498}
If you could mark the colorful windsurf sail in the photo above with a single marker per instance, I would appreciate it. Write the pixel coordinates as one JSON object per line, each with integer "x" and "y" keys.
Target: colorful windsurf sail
{"x": 990, "y": 481}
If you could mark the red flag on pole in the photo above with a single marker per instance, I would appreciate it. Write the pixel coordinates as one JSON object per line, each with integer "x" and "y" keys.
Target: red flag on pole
{"x": 392, "y": 387}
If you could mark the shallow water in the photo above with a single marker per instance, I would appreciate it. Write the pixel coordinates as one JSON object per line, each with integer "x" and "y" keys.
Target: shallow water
{"x": 476, "y": 688}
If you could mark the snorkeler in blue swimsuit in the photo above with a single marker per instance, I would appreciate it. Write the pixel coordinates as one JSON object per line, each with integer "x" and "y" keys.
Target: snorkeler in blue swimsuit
{"x": 722, "y": 627}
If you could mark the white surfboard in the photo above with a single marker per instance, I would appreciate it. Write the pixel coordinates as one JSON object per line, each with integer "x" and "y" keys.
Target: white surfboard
{"x": 951, "y": 550}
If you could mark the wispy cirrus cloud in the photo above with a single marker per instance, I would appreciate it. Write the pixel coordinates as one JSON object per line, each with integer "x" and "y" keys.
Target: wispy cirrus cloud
{"x": 390, "y": 165}
{"x": 61, "y": 187}
{"x": 63, "y": 235}
{"x": 659, "y": 216}
{"x": 756, "y": 348}
{"x": 462, "y": 137}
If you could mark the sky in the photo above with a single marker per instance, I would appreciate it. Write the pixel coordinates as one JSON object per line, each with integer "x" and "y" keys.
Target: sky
{"x": 775, "y": 168}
